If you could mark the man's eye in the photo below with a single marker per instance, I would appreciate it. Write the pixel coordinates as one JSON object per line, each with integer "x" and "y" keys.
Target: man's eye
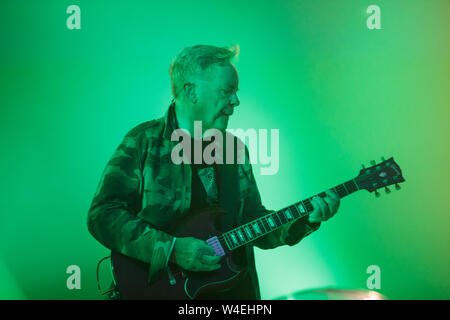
{"x": 227, "y": 92}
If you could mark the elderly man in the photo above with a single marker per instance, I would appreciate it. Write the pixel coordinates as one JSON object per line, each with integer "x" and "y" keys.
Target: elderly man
{"x": 142, "y": 192}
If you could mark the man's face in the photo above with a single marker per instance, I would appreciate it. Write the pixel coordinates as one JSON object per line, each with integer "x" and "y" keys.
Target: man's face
{"x": 216, "y": 97}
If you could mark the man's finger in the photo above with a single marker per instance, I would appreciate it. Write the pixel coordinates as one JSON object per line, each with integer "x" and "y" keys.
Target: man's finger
{"x": 206, "y": 267}
{"x": 333, "y": 200}
{"x": 209, "y": 267}
{"x": 318, "y": 206}
{"x": 332, "y": 203}
{"x": 324, "y": 207}
{"x": 332, "y": 194}
{"x": 206, "y": 249}
{"x": 210, "y": 260}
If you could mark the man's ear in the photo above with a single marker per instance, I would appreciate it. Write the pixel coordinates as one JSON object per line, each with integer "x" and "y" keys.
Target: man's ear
{"x": 189, "y": 90}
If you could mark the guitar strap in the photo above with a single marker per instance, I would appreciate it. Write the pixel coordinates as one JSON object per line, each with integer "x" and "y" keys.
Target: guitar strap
{"x": 230, "y": 202}
{"x": 228, "y": 195}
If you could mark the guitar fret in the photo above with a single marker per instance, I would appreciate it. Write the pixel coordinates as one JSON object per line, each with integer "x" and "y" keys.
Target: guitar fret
{"x": 288, "y": 214}
{"x": 283, "y": 217}
{"x": 345, "y": 188}
{"x": 295, "y": 211}
{"x": 247, "y": 228}
{"x": 244, "y": 233}
{"x": 240, "y": 234}
{"x": 351, "y": 186}
{"x": 228, "y": 236}
{"x": 225, "y": 236}
{"x": 271, "y": 222}
{"x": 336, "y": 189}
{"x": 340, "y": 190}
{"x": 301, "y": 208}
{"x": 309, "y": 207}
{"x": 277, "y": 219}
{"x": 356, "y": 185}
{"x": 260, "y": 223}
{"x": 234, "y": 238}
{"x": 256, "y": 228}
{"x": 265, "y": 225}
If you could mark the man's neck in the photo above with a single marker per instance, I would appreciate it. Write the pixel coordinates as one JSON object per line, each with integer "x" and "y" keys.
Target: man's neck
{"x": 184, "y": 118}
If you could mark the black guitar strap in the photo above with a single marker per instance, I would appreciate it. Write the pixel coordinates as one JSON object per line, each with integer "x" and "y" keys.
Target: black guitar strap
{"x": 230, "y": 202}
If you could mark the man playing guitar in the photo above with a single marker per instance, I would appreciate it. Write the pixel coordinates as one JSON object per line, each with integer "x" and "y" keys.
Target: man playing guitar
{"x": 142, "y": 194}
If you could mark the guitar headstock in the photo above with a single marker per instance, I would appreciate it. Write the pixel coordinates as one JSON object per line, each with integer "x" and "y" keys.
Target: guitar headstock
{"x": 380, "y": 175}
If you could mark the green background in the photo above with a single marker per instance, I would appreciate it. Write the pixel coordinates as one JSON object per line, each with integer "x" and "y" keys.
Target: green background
{"x": 340, "y": 95}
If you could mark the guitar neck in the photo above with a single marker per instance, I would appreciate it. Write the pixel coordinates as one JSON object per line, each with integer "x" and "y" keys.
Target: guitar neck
{"x": 264, "y": 225}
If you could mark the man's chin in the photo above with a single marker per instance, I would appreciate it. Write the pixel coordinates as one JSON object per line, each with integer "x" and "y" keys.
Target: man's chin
{"x": 221, "y": 124}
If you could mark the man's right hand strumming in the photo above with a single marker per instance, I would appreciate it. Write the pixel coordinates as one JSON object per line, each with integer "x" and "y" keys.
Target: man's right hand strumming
{"x": 193, "y": 254}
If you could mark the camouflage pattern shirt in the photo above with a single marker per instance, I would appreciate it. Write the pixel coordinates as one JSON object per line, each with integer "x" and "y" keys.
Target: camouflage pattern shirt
{"x": 141, "y": 192}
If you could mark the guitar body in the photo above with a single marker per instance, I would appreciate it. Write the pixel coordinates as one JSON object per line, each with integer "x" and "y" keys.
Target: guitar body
{"x": 131, "y": 275}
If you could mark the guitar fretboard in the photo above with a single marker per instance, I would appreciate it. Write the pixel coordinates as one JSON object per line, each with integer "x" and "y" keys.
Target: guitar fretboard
{"x": 257, "y": 228}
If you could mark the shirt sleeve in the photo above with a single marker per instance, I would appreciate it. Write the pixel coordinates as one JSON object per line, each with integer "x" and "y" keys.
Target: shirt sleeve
{"x": 113, "y": 217}
{"x": 289, "y": 234}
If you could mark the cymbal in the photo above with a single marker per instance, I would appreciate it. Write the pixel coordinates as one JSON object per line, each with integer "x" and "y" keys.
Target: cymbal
{"x": 333, "y": 294}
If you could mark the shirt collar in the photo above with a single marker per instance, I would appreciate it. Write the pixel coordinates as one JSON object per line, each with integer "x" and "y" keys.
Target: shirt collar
{"x": 170, "y": 121}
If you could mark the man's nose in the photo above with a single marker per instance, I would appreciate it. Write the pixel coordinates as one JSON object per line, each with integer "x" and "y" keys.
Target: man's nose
{"x": 234, "y": 101}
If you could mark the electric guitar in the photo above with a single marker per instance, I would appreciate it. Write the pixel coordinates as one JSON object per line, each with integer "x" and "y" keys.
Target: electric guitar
{"x": 131, "y": 275}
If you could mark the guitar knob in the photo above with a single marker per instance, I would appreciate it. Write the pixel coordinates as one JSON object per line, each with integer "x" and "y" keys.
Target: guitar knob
{"x": 372, "y": 162}
{"x": 382, "y": 158}
{"x": 362, "y": 166}
{"x": 387, "y": 190}
{"x": 397, "y": 186}
{"x": 377, "y": 194}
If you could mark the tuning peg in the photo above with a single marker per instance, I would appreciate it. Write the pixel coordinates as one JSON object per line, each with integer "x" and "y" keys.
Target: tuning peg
{"x": 397, "y": 186}
{"x": 372, "y": 162}
{"x": 387, "y": 190}
{"x": 382, "y": 158}
{"x": 363, "y": 166}
{"x": 377, "y": 194}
